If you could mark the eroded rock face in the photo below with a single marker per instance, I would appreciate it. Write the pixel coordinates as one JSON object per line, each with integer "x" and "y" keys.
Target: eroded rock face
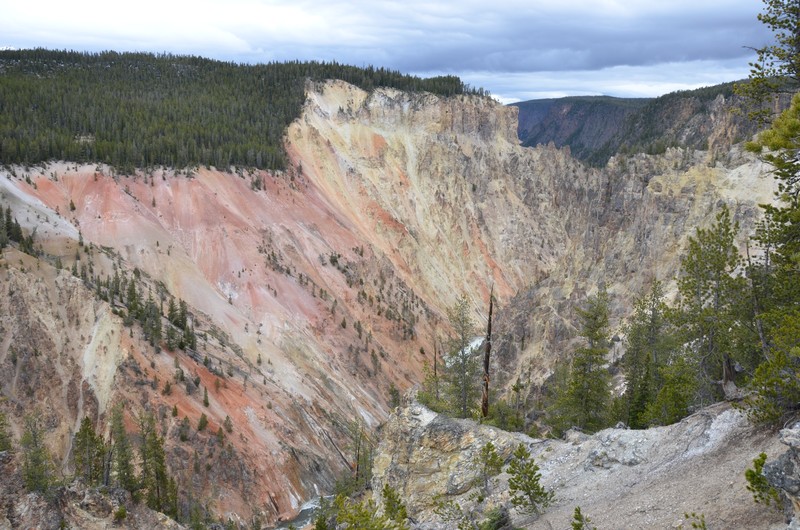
{"x": 784, "y": 473}
{"x": 317, "y": 288}
{"x": 620, "y": 478}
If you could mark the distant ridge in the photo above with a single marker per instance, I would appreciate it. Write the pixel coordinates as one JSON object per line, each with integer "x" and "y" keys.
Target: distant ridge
{"x": 597, "y": 127}
{"x": 141, "y": 110}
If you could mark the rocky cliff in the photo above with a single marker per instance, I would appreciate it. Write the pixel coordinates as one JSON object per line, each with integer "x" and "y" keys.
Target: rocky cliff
{"x": 597, "y": 128}
{"x": 315, "y": 289}
{"x": 619, "y": 478}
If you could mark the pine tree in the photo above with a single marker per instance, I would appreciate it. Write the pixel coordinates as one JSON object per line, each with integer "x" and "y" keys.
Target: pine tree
{"x": 462, "y": 364}
{"x": 583, "y": 400}
{"x": 489, "y": 465}
{"x": 775, "y": 385}
{"x": 37, "y": 464}
{"x": 676, "y": 395}
{"x": 777, "y": 67}
{"x": 89, "y": 453}
{"x": 122, "y": 452}
{"x": 580, "y": 521}
{"x": 524, "y": 483}
{"x": 710, "y": 293}
{"x": 393, "y": 507}
{"x": 155, "y": 479}
{"x": 650, "y": 341}
{"x": 5, "y": 436}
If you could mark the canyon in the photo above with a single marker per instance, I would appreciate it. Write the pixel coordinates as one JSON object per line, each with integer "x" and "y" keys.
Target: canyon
{"x": 316, "y": 290}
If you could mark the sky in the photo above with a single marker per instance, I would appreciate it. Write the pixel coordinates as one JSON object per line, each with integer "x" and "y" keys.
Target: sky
{"x": 516, "y": 49}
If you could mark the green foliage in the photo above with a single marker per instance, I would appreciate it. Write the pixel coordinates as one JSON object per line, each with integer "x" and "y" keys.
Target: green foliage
{"x": 429, "y": 392}
{"x": 497, "y": 518}
{"x": 696, "y": 520}
{"x": 354, "y": 515}
{"x": 228, "y": 424}
{"x": 583, "y": 397}
{"x": 37, "y": 464}
{"x": 776, "y": 285}
{"x": 393, "y": 507}
{"x": 777, "y": 67}
{"x": 89, "y": 453}
{"x": 649, "y": 343}
{"x": 120, "y": 514}
{"x": 462, "y": 364}
{"x": 142, "y": 110}
{"x": 524, "y": 483}
{"x": 183, "y": 429}
{"x": 504, "y": 416}
{"x": 489, "y": 465}
{"x": 711, "y": 292}
{"x": 122, "y": 452}
{"x": 451, "y": 513}
{"x": 775, "y": 388}
{"x": 580, "y": 521}
{"x": 361, "y": 446}
{"x": 674, "y": 400}
{"x": 160, "y": 489}
{"x": 202, "y": 423}
{"x": 394, "y": 396}
{"x": 205, "y": 397}
{"x": 5, "y": 436}
{"x": 757, "y": 484}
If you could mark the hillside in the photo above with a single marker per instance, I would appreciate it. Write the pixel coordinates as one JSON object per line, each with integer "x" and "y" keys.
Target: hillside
{"x": 597, "y": 128}
{"x": 311, "y": 292}
{"x": 586, "y": 124}
{"x": 138, "y": 110}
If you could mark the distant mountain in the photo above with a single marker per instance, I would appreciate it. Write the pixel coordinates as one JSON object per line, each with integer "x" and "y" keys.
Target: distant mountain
{"x": 584, "y": 123}
{"x": 598, "y": 127}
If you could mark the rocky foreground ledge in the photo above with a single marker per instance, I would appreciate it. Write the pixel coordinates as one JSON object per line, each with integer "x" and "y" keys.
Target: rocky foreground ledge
{"x": 620, "y": 478}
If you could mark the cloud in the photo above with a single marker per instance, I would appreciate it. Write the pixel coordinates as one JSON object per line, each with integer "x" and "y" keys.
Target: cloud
{"x": 564, "y": 45}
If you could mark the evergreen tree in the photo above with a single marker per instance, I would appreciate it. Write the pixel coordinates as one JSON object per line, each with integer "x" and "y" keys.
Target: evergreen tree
{"x": 89, "y": 453}
{"x": 524, "y": 483}
{"x": 580, "y": 521}
{"x": 37, "y": 464}
{"x": 489, "y": 465}
{"x": 775, "y": 383}
{"x": 676, "y": 395}
{"x": 710, "y": 295}
{"x": 777, "y": 67}
{"x": 393, "y": 507}
{"x": 462, "y": 364}
{"x": 363, "y": 516}
{"x": 160, "y": 491}
{"x": 122, "y": 452}
{"x": 583, "y": 400}
{"x": 5, "y": 436}
{"x": 649, "y": 342}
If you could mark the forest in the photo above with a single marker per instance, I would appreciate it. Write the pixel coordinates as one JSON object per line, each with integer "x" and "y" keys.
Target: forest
{"x": 139, "y": 110}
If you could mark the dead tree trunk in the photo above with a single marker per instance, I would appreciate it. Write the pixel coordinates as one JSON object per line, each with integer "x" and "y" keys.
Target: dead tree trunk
{"x": 487, "y": 353}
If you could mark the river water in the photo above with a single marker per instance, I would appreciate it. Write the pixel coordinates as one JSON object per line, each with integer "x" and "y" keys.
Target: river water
{"x": 306, "y": 516}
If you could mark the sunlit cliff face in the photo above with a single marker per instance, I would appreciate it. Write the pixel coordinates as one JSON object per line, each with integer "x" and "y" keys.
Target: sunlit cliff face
{"x": 313, "y": 290}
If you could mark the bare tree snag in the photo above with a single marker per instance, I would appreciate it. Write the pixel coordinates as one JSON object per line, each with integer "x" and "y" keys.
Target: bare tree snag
{"x": 487, "y": 353}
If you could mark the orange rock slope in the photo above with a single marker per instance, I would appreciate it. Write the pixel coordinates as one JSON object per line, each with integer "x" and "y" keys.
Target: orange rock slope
{"x": 315, "y": 289}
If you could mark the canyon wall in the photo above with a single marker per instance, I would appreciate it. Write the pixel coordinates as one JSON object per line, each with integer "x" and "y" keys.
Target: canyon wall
{"x": 315, "y": 289}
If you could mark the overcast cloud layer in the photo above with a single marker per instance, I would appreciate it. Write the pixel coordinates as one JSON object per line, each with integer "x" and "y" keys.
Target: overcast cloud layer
{"x": 518, "y": 50}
